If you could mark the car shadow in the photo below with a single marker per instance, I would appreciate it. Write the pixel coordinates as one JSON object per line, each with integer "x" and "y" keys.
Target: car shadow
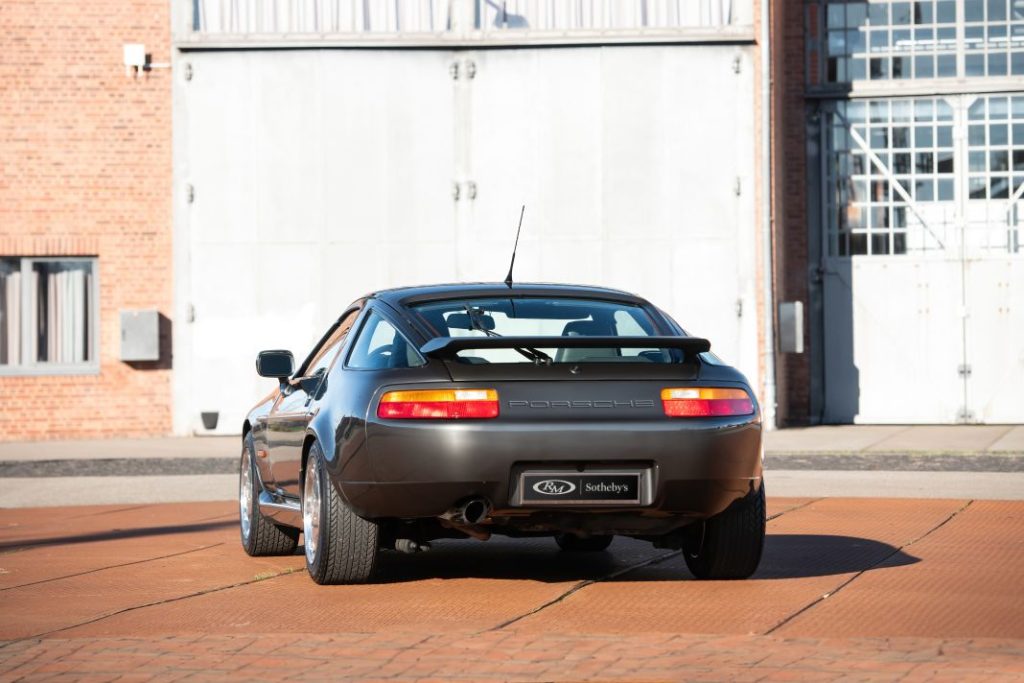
{"x": 119, "y": 534}
{"x": 786, "y": 556}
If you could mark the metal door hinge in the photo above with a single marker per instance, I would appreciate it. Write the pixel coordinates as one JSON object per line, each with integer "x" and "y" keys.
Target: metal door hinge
{"x": 737, "y": 186}
{"x": 467, "y": 68}
{"x": 965, "y": 416}
{"x": 736, "y": 64}
{"x": 190, "y": 193}
{"x": 739, "y": 308}
{"x": 964, "y": 370}
{"x": 187, "y": 71}
{"x": 457, "y": 190}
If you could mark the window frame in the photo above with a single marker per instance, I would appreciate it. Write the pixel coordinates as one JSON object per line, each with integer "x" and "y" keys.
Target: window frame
{"x": 302, "y": 371}
{"x": 37, "y": 369}
{"x": 369, "y": 312}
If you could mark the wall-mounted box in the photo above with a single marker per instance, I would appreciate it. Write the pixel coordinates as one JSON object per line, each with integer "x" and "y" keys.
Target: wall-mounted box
{"x": 791, "y": 327}
{"x": 140, "y": 335}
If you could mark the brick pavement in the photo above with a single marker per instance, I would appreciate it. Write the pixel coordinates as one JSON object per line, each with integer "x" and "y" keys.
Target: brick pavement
{"x": 849, "y": 589}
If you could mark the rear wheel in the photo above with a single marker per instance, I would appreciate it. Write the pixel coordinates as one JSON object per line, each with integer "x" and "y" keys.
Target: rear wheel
{"x": 583, "y": 544}
{"x": 260, "y": 536}
{"x": 731, "y": 544}
{"x": 341, "y": 547}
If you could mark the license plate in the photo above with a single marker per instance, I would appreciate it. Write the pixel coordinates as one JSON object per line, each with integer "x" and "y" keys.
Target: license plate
{"x": 580, "y": 488}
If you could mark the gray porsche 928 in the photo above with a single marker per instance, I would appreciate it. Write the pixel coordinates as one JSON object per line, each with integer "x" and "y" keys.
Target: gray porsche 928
{"x": 458, "y": 411}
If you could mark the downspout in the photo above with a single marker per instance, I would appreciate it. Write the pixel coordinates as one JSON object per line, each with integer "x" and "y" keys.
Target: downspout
{"x": 768, "y": 350}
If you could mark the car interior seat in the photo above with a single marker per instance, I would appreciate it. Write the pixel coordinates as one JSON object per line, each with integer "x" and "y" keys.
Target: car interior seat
{"x": 587, "y": 328}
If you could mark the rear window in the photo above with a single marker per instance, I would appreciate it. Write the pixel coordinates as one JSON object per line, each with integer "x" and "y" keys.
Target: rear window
{"x": 516, "y": 316}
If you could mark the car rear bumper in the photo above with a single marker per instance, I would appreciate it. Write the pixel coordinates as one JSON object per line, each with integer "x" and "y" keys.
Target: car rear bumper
{"x": 423, "y": 468}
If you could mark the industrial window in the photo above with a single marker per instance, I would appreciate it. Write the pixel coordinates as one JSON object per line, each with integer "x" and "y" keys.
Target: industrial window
{"x": 890, "y": 173}
{"x": 48, "y": 315}
{"x": 887, "y": 40}
{"x": 995, "y": 147}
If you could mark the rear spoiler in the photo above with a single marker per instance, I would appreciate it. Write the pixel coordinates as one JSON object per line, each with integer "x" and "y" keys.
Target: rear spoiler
{"x": 448, "y": 347}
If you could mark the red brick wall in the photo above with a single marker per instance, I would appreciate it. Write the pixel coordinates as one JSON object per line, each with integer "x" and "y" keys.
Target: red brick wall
{"x": 789, "y": 188}
{"x": 85, "y": 170}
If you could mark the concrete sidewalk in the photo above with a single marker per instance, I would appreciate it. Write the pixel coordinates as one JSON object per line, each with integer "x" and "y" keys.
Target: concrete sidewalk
{"x": 862, "y": 440}
{"x": 898, "y": 439}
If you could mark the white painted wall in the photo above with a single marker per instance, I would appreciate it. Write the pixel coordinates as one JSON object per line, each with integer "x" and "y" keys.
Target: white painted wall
{"x": 320, "y": 175}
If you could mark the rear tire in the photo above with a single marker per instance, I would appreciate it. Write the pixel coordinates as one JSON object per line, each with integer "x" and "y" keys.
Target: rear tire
{"x": 341, "y": 547}
{"x": 732, "y": 541}
{"x": 583, "y": 544}
{"x": 260, "y": 536}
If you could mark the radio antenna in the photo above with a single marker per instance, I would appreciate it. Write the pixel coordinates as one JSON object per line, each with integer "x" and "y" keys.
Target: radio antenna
{"x": 508, "y": 278}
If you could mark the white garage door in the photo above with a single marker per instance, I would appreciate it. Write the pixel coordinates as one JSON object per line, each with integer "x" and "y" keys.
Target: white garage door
{"x": 320, "y": 175}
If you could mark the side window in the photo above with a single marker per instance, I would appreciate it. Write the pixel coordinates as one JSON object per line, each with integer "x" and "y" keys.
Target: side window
{"x": 379, "y": 345}
{"x": 324, "y": 358}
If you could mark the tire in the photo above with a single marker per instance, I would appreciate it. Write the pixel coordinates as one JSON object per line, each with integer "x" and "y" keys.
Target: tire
{"x": 259, "y": 535}
{"x": 580, "y": 544}
{"x": 341, "y": 547}
{"x": 732, "y": 541}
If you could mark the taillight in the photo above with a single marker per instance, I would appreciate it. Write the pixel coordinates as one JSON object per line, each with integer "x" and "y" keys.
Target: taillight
{"x": 706, "y": 402}
{"x": 439, "y": 404}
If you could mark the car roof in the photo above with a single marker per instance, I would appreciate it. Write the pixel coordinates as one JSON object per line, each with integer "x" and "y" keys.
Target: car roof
{"x": 404, "y": 296}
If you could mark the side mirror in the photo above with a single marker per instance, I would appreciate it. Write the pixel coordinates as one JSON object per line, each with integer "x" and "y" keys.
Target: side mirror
{"x": 278, "y": 364}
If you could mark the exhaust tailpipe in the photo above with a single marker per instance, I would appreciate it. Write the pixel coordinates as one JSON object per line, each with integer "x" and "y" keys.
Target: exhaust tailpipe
{"x": 473, "y": 511}
{"x": 468, "y": 516}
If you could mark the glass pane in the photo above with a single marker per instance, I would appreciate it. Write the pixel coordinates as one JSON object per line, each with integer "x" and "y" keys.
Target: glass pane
{"x": 977, "y": 109}
{"x": 835, "y": 17}
{"x": 60, "y": 317}
{"x": 999, "y": 188}
{"x": 880, "y": 243}
{"x": 901, "y": 163}
{"x": 977, "y": 163}
{"x": 998, "y": 134}
{"x": 999, "y": 160}
{"x": 976, "y": 135}
{"x": 997, "y": 65}
{"x": 978, "y": 187}
{"x": 945, "y": 66}
{"x": 945, "y": 136}
{"x": 974, "y": 65}
{"x": 10, "y": 311}
{"x": 998, "y": 107}
{"x": 899, "y": 243}
{"x": 974, "y": 10}
{"x": 856, "y": 14}
{"x": 945, "y": 162}
{"x": 900, "y": 13}
{"x": 945, "y": 11}
{"x": 878, "y": 13}
{"x": 996, "y": 10}
{"x": 946, "y": 190}
{"x": 899, "y": 217}
{"x": 925, "y": 162}
{"x": 924, "y": 67}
